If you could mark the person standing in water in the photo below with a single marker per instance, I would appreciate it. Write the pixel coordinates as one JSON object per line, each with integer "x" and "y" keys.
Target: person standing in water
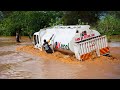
{"x": 47, "y": 47}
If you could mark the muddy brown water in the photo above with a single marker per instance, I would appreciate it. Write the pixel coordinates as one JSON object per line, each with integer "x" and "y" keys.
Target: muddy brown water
{"x": 20, "y": 65}
{"x": 2, "y": 53}
{"x": 6, "y": 43}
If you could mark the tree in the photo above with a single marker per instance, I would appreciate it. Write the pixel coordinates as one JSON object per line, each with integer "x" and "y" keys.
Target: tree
{"x": 28, "y": 22}
{"x": 110, "y": 25}
{"x": 72, "y": 17}
{"x": 114, "y": 13}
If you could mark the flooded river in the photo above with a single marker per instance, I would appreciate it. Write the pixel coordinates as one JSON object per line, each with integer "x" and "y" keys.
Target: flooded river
{"x": 114, "y": 44}
{"x": 20, "y": 65}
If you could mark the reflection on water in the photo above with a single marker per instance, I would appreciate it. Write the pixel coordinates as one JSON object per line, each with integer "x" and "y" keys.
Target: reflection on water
{"x": 7, "y": 43}
{"x": 114, "y": 44}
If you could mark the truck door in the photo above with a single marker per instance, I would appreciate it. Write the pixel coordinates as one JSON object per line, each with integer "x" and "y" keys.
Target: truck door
{"x": 36, "y": 41}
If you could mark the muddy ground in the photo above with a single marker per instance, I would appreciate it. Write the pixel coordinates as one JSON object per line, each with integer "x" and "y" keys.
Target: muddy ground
{"x": 16, "y": 64}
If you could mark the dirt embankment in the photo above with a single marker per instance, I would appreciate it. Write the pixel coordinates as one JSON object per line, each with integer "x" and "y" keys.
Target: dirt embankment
{"x": 67, "y": 58}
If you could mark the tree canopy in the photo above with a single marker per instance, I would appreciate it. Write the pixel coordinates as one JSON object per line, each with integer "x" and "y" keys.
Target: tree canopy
{"x": 110, "y": 24}
{"x": 73, "y": 17}
{"x": 28, "y": 22}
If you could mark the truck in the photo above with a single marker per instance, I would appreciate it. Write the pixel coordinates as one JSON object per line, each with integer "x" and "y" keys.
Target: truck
{"x": 77, "y": 39}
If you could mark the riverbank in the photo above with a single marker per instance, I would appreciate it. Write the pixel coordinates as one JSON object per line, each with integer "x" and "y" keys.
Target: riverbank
{"x": 113, "y": 38}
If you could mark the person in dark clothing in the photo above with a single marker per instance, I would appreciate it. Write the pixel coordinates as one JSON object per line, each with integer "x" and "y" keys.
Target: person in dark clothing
{"x": 47, "y": 47}
{"x": 17, "y": 38}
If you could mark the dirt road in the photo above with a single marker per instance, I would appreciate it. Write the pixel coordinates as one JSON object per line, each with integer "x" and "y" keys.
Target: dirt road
{"x": 20, "y": 65}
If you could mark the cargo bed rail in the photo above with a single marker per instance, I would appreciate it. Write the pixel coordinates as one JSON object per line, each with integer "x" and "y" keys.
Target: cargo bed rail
{"x": 83, "y": 49}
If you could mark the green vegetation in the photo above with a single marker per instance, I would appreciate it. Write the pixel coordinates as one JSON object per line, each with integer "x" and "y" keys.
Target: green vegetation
{"x": 110, "y": 25}
{"x": 113, "y": 38}
{"x": 28, "y": 22}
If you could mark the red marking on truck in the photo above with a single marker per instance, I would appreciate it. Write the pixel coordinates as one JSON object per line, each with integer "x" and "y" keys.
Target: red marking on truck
{"x": 84, "y": 37}
{"x": 88, "y": 35}
{"x": 93, "y": 34}
{"x": 62, "y": 46}
{"x": 77, "y": 39}
{"x": 91, "y": 45}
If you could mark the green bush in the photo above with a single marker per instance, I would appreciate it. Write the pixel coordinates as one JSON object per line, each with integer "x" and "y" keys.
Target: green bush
{"x": 110, "y": 25}
{"x": 28, "y": 22}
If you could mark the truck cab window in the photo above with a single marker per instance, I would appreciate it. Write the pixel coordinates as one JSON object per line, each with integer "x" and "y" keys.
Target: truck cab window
{"x": 35, "y": 39}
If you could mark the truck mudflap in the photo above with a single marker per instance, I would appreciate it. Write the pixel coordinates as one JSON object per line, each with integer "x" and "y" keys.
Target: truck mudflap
{"x": 84, "y": 50}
